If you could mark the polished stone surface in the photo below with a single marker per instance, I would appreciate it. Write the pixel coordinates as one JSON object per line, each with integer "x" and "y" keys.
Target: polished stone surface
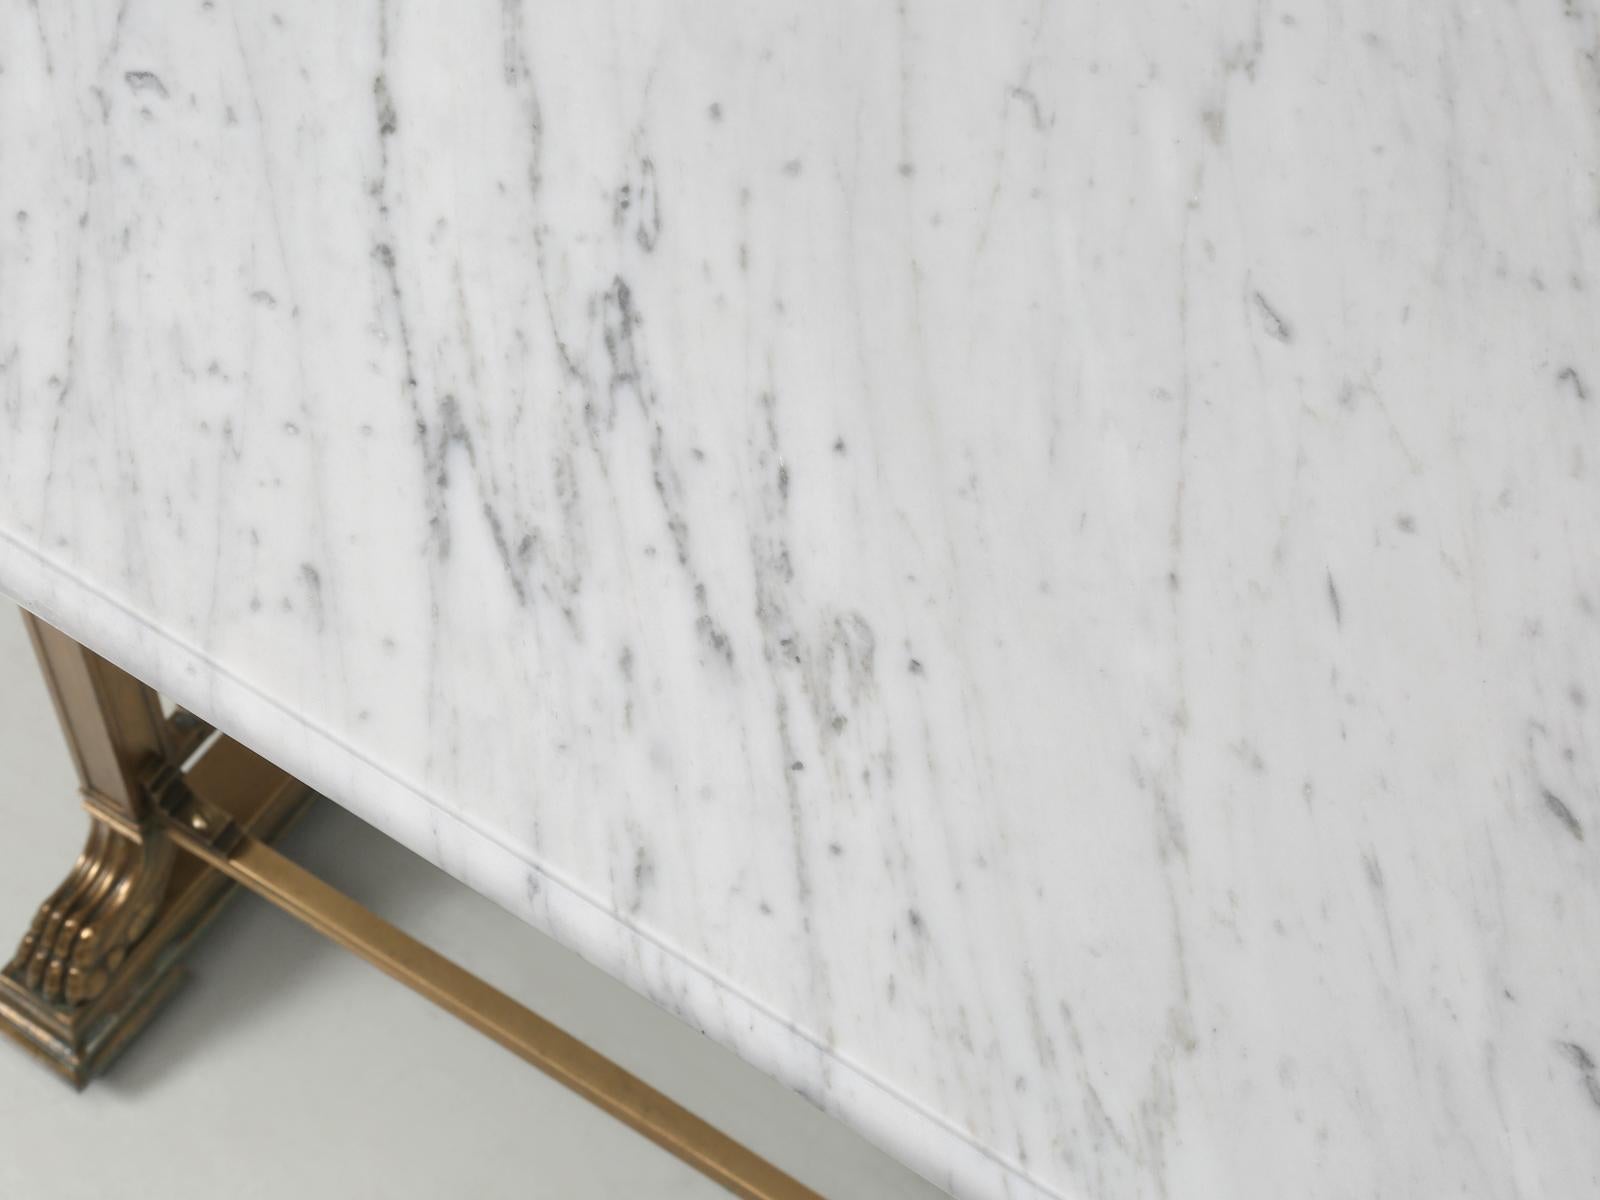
{"x": 1032, "y": 569}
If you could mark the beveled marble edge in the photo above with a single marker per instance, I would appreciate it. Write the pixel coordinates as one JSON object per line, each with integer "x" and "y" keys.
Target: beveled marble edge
{"x": 941, "y": 1153}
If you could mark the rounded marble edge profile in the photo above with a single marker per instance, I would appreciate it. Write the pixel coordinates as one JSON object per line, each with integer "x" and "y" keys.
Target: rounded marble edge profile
{"x": 691, "y": 991}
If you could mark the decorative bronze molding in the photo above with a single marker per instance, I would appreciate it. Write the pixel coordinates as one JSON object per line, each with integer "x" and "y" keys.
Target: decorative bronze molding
{"x": 82, "y": 933}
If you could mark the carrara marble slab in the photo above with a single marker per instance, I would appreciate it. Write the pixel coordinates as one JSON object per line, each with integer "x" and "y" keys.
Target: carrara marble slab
{"x": 1030, "y": 567}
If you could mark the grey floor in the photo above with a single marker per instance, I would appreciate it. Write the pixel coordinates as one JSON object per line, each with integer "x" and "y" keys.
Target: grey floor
{"x": 285, "y": 1067}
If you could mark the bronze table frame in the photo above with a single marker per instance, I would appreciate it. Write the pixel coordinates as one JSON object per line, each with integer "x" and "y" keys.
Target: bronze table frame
{"x": 177, "y": 817}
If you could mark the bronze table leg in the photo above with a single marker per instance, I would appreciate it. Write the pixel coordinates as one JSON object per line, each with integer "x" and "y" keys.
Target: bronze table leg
{"x": 103, "y": 951}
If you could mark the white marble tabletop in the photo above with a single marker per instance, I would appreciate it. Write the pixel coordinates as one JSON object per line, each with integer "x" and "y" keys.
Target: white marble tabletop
{"x": 1032, "y": 568}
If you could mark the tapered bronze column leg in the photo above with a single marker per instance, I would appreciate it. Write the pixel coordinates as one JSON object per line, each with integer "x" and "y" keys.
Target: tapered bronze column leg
{"x": 104, "y": 949}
